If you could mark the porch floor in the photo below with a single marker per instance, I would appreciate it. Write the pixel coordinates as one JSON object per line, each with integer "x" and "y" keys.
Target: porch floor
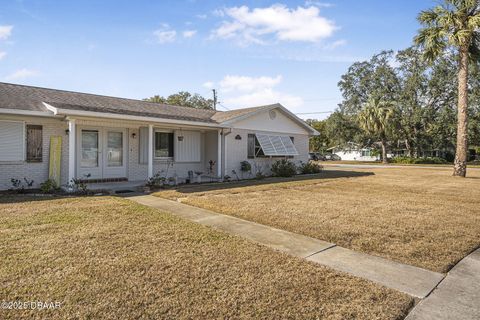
{"x": 117, "y": 186}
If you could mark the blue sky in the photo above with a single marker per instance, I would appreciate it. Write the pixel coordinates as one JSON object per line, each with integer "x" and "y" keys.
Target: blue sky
{"x": 252, "y": 52}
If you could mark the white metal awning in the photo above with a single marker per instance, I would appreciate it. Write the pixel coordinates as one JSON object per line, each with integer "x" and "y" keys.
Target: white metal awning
{"x": 276, "y": 145}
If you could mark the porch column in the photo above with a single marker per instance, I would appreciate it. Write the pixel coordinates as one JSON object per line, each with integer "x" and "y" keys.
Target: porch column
{"x": 150, "y": 150}
{"x": 72, "y": 148}
{"x": 219, "y": 155}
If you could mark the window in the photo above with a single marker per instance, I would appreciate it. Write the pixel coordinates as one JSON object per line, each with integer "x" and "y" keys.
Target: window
{"x": 251, "y": 146}
{"x": 34, "y": 143}
{"x": 261, "y": 145}
{"x": 366, "y": 153}
{"x": 163, "y": 144}
{"x": 254, "y": 149}
{"x": 90, "y": 150}
{"x": 12, "y": 141}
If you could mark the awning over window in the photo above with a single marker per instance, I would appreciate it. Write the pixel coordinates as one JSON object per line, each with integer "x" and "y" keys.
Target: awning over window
{"x": 276, "y": 145}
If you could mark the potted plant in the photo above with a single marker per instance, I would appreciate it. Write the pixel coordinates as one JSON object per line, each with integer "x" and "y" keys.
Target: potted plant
{"x": 199, "y": 176}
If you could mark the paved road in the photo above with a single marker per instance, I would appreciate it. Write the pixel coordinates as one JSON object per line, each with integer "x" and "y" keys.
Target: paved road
{"x": 373, "y": 166}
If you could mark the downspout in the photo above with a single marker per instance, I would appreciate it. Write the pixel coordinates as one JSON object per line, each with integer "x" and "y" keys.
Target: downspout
{"x": 224, "y": 149}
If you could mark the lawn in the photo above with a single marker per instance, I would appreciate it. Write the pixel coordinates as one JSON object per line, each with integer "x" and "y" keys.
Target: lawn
{"x": 423, "y": 217}
{"x": 106, "y": 257}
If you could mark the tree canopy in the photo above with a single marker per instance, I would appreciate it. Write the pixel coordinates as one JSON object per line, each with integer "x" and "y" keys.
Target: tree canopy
{"x": 454, "y": 26}
{"x": 422, "y": 94}
{"x": 184, "y": 99}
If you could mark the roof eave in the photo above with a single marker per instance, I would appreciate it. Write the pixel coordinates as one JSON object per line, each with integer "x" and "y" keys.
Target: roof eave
{"x": 27, "y": 113}
{"x": 82, "y": 113}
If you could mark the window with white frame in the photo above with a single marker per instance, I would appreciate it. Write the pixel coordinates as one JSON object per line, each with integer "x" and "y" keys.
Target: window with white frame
{"x": 163, "y": 145}
{"x": 12, "y": 140}
{"x": 366, "y": 153}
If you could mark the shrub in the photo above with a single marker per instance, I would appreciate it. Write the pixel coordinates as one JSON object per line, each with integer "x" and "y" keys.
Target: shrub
{"x": 284, "y": 168}
{"x": 310, "y": 168}
{"x": 19, "y": 186}
{"x": 426, "y": 160}
{"x": 157, "y": 180}
{"x": 77, "y": 186}
{"x": 49, "y": 186}
{"x": 260, "y": 176}
{"x": 245, "y": 166}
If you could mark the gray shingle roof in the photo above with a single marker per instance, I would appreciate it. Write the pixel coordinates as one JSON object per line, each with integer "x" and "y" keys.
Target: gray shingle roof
{"x": 229, "y": 115}
{"x": 28, "y": 98}
{"x": 13, "y": 96}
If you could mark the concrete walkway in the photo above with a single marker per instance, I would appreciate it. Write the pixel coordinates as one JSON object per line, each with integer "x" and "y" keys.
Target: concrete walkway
{"x": 388, "y": 166}
{"x": 412, "y": 280}
{"x": 456, "y": 297}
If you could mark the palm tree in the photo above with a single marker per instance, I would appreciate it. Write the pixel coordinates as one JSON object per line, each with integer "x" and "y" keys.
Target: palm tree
{"x": 454, "y": 25}
{"x": 376, "y": 119}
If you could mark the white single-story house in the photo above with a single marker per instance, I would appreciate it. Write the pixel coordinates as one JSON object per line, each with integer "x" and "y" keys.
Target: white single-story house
{"x": 354, "y": 152}
{"x": 106, "y": 139}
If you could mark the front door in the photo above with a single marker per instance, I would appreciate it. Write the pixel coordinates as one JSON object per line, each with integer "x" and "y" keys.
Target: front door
{"x": 101, "y": 153}
{"x": 114, "y": 146}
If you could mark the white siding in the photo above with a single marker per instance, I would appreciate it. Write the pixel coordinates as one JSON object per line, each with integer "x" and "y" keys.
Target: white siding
{"x": 280, "y": 123}
{"x": 189, "y": 149}
{"x": 37, "y": 171}
{"x": 237, "y": 152}
{"x": 12, "y": 140}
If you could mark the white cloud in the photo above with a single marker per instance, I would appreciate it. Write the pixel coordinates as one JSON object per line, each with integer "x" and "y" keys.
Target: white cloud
{"x": 2, "y": 54}
{"x": 243, "y": 91}
{"x": 319, "y": 4}
{"x": 165, "y": 34}
{"x": 264, "y": 97}
{"x": 21, "y": 74}
{"x": 5, "y": 32}
{"x": 278, "y": 21}
{"x": 248, "y": 84}
{"x": 189, "y": 33}
{"x": 335, "y": 44}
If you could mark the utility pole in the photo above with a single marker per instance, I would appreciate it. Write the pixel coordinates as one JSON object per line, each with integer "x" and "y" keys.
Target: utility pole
{"x": 214, "y": 99}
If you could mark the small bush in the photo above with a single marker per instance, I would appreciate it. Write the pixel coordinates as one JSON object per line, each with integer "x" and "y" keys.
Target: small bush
{"x": 426, "y": 160}
{"x": 245, "y": 166}
{"x": 158, "y": 180}
{"x": 284, "y": 168}
{"x": 49, "y": 186}
{"x": 310, "y": 168}
{"x": 260, "y": 176}
{"x": 77, "y": 186}
{"x": 20, "y": 187}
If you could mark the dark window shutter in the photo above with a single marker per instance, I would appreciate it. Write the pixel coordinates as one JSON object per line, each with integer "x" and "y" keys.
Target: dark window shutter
{"x": 34, "y": 143}
{"x": 251, "y": 146}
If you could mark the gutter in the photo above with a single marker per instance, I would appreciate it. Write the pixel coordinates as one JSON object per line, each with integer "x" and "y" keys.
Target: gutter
{"x": 81, "y": 113}
{"x": 28, "y": 113}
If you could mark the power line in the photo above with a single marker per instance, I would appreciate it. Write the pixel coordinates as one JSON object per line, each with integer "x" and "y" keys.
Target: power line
{"x": 320, "y": 112}
{"x": 223, "y": 106}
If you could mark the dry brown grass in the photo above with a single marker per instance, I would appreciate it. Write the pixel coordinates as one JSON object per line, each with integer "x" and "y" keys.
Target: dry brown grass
{"x": 109, "y": 258}
{"x": 423, "y": 217}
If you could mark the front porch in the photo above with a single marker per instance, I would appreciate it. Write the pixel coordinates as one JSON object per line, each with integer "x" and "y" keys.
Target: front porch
{"x": 111, "y": 152}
